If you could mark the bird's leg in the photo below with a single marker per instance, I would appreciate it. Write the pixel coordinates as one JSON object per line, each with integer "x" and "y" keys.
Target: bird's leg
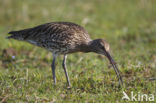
{"x": 53, "y": 68}
{"x": 65, "y": 69}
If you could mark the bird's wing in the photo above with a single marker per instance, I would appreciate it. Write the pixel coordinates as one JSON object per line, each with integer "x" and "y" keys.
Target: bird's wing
{"x": 59, "y": 31}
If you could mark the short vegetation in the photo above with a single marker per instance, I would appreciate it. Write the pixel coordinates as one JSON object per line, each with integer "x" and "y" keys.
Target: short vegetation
{"x": 128, "y": 25}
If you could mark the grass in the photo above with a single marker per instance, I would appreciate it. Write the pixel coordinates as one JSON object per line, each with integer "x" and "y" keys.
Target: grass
{"x": 129, "y": 27}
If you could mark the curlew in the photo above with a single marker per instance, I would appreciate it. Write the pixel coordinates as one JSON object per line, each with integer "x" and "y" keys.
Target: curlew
{"x": 64, "y": 38}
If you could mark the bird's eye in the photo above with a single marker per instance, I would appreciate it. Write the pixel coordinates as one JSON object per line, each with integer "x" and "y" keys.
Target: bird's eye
{"x": 102, "y": 47}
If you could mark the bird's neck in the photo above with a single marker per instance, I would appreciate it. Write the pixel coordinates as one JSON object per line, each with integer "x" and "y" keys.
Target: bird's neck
{"x": 87, "y": 47}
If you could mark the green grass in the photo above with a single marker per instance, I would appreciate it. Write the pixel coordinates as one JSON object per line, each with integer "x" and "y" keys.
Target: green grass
{"x": 129, "y": 27}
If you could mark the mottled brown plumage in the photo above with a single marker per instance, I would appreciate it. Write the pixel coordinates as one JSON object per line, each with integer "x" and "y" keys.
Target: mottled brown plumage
{"x": 64, "y": 38}
{"x": 57, "y": 37}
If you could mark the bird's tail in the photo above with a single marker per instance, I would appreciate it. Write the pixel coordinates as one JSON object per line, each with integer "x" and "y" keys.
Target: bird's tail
{"x": 15, "y": 35}
{"x": 11, "y": 36}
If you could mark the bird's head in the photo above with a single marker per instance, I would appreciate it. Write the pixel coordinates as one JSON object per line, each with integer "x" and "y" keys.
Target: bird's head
{"x": 101, "y": 46}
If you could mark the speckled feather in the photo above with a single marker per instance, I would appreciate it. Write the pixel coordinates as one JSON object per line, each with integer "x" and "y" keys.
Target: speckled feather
{"x": 57, "y": 37}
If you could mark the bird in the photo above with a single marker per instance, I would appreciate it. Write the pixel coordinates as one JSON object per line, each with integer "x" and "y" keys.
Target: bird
{"x": 63, "y": 38}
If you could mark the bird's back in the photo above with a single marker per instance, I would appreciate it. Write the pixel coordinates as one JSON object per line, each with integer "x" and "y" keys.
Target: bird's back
{"x": 59, "y": 37}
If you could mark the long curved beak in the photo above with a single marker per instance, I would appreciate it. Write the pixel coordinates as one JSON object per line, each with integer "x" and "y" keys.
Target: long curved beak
{"x": 115, "y": 68}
